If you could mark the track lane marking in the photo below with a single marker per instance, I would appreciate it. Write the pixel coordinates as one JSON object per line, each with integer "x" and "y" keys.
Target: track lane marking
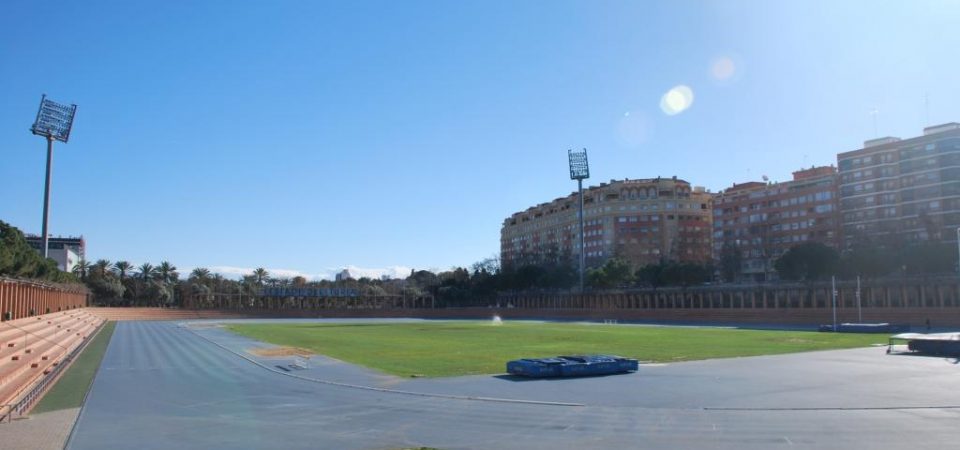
{"x": 833, "y": 408}
{"x": 378, "y": 389}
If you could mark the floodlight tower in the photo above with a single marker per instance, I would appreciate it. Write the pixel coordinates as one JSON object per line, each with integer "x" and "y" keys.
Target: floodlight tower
{"x": 53, "y": 122}
{"x": 579, "y": 170}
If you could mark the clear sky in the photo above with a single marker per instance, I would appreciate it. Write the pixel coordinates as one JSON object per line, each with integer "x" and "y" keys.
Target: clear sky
{"x": 310, "y": 136}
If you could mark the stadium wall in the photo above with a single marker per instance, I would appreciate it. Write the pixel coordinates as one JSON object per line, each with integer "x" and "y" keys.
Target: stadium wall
{"x": 814, "y": 316}
{"x": 26, "y": 298}
{"x": 907, "y": 300}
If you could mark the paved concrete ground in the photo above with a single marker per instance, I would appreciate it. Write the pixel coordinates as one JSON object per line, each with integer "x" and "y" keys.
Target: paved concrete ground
{"x": 45, "y": 431}
{"x": 164, "y": 386}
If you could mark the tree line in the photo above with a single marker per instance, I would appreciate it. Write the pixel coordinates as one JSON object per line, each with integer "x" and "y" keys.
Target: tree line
{"x": 19, "y": 260}
{"x": 120, "y": 283}
{"x": 812, "y": 261}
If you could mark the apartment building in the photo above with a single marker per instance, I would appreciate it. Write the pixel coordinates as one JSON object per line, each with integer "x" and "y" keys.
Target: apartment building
{"x": 908, "y": 190}
{"x": 643, "y": 221}
{"x": 762, "y": 220}
{"x": 66, "y": 251}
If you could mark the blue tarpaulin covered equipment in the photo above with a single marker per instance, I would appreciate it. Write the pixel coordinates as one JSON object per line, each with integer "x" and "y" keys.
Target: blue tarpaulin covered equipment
{"x": 868, "y": 328}
{"x": 571, "y": 366}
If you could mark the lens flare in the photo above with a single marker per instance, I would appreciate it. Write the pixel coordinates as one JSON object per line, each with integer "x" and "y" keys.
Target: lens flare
{"x": 676, "y": 100}
{"x": 632, "y": 129}
{"x": 723, "y": 69}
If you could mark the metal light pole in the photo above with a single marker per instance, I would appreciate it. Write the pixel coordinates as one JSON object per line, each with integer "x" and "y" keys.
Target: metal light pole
{"x": 54, "y": 122}
{"x": 958, "y": 249}
{"x": 583, "y": 254}
{"x": 833, "y": 285}
{"x": 579, "y": 170}
{"x": 46, "y": 198}
{"x": 859, "y": 310}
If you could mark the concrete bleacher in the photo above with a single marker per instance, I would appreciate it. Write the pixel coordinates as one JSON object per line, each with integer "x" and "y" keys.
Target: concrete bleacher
{"x": 30, "y": 348}
{"x": 162, "y": 314}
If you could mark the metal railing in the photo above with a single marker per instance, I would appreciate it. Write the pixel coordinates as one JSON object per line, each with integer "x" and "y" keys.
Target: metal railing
{"x": 31, "y": 333}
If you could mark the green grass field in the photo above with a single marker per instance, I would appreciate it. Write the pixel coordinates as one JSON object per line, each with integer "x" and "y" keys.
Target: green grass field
{"x": 437, "y": 349}
{"x": 72, "y": 387}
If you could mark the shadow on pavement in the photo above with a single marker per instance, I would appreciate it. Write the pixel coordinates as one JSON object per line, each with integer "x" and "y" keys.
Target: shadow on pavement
{"x": 517, "y": 378}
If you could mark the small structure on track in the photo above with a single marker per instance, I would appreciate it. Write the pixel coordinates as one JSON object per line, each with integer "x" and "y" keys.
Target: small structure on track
{"x": 571, "y": 366}
{"x": 934, "y": 344}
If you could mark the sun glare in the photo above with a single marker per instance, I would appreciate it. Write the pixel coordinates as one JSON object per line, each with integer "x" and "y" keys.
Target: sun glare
{"x": 723, "y": 69}
{"x": 676, "y": 100}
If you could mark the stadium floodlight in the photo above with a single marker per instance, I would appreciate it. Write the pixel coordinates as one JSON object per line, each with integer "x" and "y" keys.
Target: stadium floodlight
{"x": 54, "y": 122}
{"x": 579, "y": 170}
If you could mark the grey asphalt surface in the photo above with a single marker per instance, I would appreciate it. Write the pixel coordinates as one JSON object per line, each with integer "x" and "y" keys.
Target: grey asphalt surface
{"x": 163, "y": 385}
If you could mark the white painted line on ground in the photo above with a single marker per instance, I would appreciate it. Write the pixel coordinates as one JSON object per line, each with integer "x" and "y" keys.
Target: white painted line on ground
{"x": 376, "y": 389}
{"x": 833, "y": 408}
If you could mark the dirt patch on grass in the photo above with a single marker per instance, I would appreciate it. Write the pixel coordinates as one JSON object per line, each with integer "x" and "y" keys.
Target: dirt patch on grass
{"x": 280, "y": 351}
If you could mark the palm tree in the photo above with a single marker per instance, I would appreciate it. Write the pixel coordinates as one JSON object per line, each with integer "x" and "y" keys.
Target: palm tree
{"x": 82, "y": 269}
{"x": 200, "y": 274}
{"x": 261, "y": 275}
{"x": 199, "y": 280}
{"x": 167, "y": 272}
{"x": 147, "y": 271}
{"x": 122, "y": 267}
{"x": 101, "y": 266}
{"x": 217, "y": 280}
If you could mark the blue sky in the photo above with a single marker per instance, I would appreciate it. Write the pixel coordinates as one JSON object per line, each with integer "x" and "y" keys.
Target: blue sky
{"x": 308, "y": 136}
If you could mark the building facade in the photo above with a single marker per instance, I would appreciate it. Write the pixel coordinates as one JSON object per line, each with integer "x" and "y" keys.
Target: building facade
{"x": 759, "y": 221}
{"x": 66, "y": 251}
{"x": 902, "y": 190}
{"x": 642, "y": 221}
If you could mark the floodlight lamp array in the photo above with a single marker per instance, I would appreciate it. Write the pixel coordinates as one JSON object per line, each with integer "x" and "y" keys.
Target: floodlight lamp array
{"x": 54, "y": 120}
{"x": 579, "y": 168}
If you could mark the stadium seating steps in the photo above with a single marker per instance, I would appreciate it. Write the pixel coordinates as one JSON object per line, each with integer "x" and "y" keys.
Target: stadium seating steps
{"x": 30, "y": 348}
{"x": 135, "y": 313}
